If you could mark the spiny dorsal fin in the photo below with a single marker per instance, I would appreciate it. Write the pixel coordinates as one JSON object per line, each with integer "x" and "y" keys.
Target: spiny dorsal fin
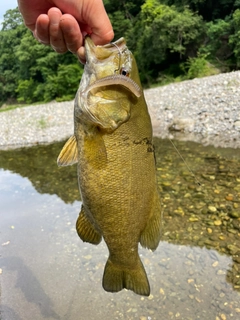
{"x": 69, "y": 154}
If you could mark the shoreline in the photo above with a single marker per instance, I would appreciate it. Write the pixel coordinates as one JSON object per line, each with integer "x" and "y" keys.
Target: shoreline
{"x": 203, "y": 110}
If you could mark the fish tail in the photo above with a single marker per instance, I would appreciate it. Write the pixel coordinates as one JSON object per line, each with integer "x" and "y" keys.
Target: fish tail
{"x": 116, "y": 278}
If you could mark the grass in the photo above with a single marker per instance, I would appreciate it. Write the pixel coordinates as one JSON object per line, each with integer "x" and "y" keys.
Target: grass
{"x": 7, "y": 107}
{"x": 42, "y": 123}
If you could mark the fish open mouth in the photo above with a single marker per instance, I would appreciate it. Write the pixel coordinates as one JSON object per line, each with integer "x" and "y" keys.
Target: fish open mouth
{"x": 100, "y": 53}
{"x": 118, "y": 79}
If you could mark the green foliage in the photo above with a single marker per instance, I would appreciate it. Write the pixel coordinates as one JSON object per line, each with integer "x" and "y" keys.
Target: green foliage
{"x": 209, "y": 9}
{"x": 171, "y": 39}
{"x": 12, "y": 20}
{"x": 217, "y": 39}
{"x": 26, "y": 90}
{"x": 60, "y": 86}
{"x": 234, "y": 38}
{"x": 120, "y": 24}
{"x": 166, "y": 32}
{"x": 198, "y": 67}
{"x": 31, "y": 72}
{"x": 64, "y": 84}
{"x": 10, "y": 36}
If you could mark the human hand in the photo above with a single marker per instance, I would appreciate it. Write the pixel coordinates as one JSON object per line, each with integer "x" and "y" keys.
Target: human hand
{"x": 63, "y": 24}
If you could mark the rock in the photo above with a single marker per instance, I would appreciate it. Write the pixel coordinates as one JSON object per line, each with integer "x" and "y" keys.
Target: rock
{"x": 212, "y": 208}
{"x": 237, "y": 125}
{"x": 229, "y": 197}
{"x": 234, "y": 214}
{"x": 182, "y": 124}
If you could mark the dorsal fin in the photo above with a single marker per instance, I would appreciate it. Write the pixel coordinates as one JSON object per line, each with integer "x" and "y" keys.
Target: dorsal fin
{"x": 69, "y": 154}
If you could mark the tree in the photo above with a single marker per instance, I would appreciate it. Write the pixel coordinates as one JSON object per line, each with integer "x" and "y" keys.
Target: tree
{"x": 44, "y": 74}
{"x": 209, "y": 9}
{"x": 10, "y": 37}
{"x": 165, "y": 33}
{"x": 30, "y": 71}
{"x": 234, "y": 38}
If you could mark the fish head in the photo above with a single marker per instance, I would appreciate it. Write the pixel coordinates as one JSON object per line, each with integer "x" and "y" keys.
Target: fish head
{"x": 110, "y": 59}
{"x": 109, "y": 85}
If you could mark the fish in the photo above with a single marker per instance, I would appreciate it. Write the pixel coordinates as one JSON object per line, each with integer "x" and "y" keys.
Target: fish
{"x": 113, "y": 148}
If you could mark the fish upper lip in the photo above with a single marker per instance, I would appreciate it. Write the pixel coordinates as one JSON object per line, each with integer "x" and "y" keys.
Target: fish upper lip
{"x": 90, "y": 47}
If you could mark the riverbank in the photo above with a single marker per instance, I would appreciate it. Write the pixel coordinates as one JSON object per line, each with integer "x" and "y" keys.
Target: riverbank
{"x": 204, "y": 110}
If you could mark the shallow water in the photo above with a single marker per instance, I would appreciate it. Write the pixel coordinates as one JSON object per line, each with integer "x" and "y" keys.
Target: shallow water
{"x": 48, "y": 273}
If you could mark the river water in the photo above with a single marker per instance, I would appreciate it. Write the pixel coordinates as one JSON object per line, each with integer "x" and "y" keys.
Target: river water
{"x": 47, "y": 272}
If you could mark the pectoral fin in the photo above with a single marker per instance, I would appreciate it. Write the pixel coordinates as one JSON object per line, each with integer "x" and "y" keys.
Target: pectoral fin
{"x": 69, "y": 154}
{"x": 86, "y": 230}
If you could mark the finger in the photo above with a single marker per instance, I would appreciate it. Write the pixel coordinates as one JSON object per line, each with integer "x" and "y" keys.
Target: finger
{"x": 56, "y": 37}
{"x": 41, "y": 32}
{"x": 32, "y": 9}
{"x": 72, "y": 34}
{"x": 81, "y": 55}
{"x": 102, "y": 31}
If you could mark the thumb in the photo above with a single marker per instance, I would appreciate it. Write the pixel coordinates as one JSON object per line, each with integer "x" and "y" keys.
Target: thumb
{"x": 97, "y": 19}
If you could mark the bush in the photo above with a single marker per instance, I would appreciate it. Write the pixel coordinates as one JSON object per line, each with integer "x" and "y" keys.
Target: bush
{"x": 198, "y": 67}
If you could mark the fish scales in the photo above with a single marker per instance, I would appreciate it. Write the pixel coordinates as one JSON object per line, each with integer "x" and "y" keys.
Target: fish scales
{"x": 112, "y": 145}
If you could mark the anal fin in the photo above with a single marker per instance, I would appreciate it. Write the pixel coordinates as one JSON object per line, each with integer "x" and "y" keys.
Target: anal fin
{"x": 151, "y": 235}
{"x": 86, "y": 230}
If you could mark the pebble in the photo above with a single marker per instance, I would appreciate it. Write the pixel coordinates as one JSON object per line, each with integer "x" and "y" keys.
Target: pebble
{"x": 215, "y": 264}
{"x": 212, "y": 208}
{"x": 190, "y": 280}
{"x": 193, "y": 219}
{"x": 229, "y": 197}
{"x": 234, "y": 214}
{"x": 221, "y": 272}
{"x": 88, "y": 257}
{"x": 161, "y": 291}
{"x": 217, "y": 222}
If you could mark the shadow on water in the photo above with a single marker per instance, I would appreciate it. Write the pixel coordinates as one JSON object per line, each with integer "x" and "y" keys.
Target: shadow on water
{"x": 47, "y": 272}
{"x": 30, "y": 286}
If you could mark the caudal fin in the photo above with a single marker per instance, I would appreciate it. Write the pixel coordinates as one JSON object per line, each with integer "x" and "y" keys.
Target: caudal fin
{"x": 116, "y": 278}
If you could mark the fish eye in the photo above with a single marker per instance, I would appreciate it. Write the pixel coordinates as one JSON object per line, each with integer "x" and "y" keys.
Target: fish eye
{"x": 124, "y": 72}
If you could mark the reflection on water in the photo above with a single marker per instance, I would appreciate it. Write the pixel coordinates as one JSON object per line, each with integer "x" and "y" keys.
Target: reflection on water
{"x": 39, "y": 165}
{"x": 48, "y": 273}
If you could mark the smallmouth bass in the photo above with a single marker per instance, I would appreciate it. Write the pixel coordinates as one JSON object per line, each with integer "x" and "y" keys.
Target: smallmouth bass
{"x": 112, "y": 144}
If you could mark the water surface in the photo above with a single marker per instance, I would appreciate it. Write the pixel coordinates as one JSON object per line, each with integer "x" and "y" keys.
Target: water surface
{"x": 48, "y": 273}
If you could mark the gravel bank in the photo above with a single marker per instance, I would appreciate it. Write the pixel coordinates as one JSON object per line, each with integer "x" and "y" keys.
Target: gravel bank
{"x": 204, "y": 110}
